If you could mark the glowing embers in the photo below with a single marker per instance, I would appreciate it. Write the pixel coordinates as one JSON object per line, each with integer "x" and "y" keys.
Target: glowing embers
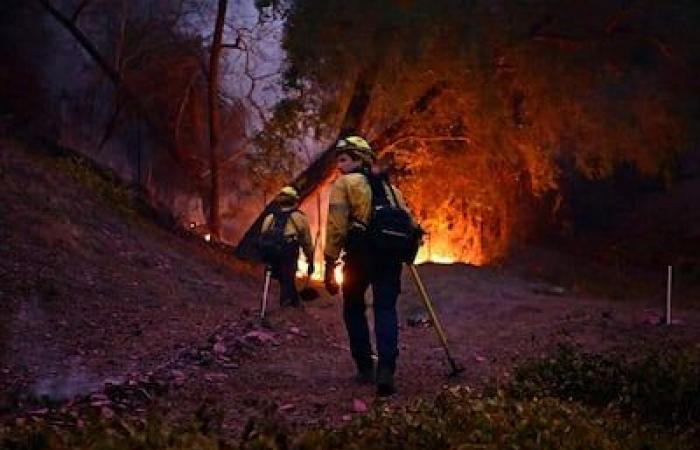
{"x": 302, "y": 267}
{"x": 424, "y": 256}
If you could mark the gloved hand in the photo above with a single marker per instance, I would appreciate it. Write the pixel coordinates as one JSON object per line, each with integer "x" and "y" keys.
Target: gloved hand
{"x": 310, "y": 269}
{"x": 329, "y": 278}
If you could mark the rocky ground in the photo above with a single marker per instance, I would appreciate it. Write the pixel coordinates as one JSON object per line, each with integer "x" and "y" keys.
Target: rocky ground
{"x": 104, "y": 312}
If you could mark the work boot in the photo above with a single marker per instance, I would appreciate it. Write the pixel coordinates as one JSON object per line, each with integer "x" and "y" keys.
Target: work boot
{"x": 385, "y": 382}
{"x": 366, "y": 373}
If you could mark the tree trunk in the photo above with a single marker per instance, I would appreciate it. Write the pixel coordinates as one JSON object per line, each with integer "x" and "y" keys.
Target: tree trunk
{"x": 215, "y": 123}
{"x": 320, "y": 169}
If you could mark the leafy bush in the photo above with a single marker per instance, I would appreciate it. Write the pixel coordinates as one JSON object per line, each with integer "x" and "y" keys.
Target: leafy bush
{"x": 573, "y": 400}
{"x": 102, "y": 182}
{"x": 100, "y": 434}
{"x": 662, "y": 386}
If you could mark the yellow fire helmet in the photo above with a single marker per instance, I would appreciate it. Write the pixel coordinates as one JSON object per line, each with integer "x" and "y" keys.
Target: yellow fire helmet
{"x": 289, "y": 191}
{"x": 358, "y": 146}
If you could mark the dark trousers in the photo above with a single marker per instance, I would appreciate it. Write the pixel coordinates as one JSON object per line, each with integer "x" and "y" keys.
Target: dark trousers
{"x": 285, "y": 271}
{"x": 360, "y": 271}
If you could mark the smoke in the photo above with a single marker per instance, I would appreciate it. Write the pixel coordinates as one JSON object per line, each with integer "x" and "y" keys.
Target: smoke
{"x": 65, "y": 386}
{"x": 58, "y": 375}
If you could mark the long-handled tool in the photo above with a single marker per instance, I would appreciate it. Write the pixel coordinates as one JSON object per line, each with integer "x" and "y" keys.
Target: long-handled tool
{"x": 456, "y": 369}
{"x": 266, "y": 290}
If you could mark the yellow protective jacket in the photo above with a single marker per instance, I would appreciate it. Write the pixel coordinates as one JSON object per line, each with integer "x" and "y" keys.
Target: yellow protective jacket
{"x": 297, "y": 227}
{"x": 350, "y": 200}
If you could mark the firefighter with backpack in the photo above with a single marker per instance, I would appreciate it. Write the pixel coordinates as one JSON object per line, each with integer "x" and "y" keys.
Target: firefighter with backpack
{"x": 283, "y": 232}
{"x": 369, "y": 221}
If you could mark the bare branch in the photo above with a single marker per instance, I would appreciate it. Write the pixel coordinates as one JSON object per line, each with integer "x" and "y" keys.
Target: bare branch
{"x": 426, "y": 139}
{"x": 111, "y": 123}
{"x": 121, "y": 43}
{"x": 181, "y": 107}
{"x": 113, "y": 76}
{"x": 78, "y": 10}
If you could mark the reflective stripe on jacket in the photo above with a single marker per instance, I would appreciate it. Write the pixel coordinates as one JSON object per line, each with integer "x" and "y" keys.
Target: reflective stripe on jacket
{"x": 297, "y": 227}
{"x": 350, "y": 200}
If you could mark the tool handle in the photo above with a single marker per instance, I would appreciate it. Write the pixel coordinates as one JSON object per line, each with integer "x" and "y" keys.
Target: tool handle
{"x": 429, "y": 307}
{"x": 266, "y": 289}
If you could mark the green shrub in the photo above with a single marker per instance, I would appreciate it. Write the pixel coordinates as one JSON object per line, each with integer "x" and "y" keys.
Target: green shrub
{"x": 459, "y": 418}
{"x": 662, "y": 386}
{"x": 104, "y": 184}
{"x": 101, "y": 434}
{"x": 573, "y": 400}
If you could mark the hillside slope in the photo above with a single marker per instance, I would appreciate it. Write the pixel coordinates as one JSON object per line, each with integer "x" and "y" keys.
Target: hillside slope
{"x": 103, "y": 311}
{"x": 90, "y": 292}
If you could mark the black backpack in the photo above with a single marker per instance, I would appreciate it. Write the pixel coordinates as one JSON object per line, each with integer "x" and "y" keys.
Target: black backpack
{"x": 391, "y": 231}
{"x": 272, "y": 243}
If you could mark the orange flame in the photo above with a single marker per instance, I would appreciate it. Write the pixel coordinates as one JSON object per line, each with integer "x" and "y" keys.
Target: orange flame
{"x": 302, "y": 267}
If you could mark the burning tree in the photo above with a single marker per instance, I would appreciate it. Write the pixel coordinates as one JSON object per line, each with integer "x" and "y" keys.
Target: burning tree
{"x": 484, "y": 106}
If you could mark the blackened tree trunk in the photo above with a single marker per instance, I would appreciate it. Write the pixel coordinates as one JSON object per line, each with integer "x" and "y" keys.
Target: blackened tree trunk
{"x": 320, "y": 169}
{"x": 215, "y": 122}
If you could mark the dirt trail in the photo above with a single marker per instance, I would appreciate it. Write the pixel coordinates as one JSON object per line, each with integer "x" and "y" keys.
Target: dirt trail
{"x": 494, "y": 320}
{"x": 91, "y": 296}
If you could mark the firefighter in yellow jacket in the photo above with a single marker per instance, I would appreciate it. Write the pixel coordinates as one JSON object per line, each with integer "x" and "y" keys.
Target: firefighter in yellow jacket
{"x": 283, "y": 232}
{"x": 349, "y": 212}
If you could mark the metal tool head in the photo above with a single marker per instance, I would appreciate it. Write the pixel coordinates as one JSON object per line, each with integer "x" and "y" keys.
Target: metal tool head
{"x": 456, "y": 368}
{"x": 265, "y": 323}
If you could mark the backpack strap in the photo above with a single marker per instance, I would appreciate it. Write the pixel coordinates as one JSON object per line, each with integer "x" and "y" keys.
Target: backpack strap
{"x": 391, "y": 190}
{"x": 294, "y": 224}
{"x": 379, "y": 185}
{"x": 286, "y": 216}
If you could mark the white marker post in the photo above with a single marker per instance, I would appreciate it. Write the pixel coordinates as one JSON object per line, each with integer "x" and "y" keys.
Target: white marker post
{"x": 668, "y": 295}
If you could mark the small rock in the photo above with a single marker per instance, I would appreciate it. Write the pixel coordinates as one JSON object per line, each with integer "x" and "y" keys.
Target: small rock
{"x": 418, "y": 319}
{"x": 100, "y": 403}
{"x": 347, "y": 417}
{"x": 547, "y": 289}
{"x": 107, "y": 413}
{"x": 298, "y": 332}
{"x": 653, "y": 319}
{"x": 359, "y": 406}
{"x": 479, "y": 358}
{"x": 260, "y": 337}
{"x": 219, "y": 348}
{"x": 178, "y": 377}
{"x": 213, "y": 377}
